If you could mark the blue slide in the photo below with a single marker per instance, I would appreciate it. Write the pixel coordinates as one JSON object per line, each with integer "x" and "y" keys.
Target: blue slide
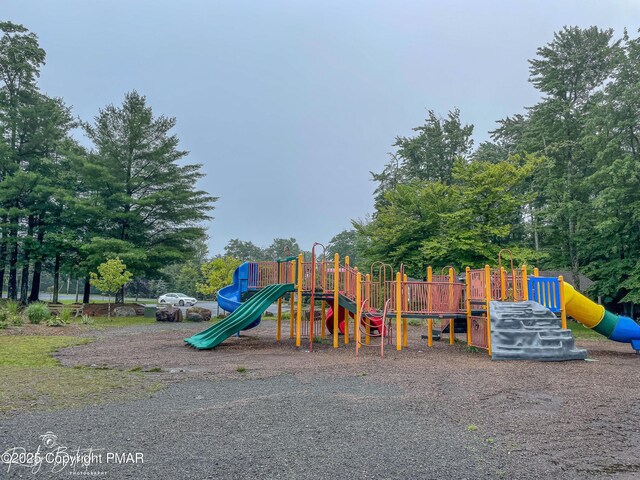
{"x": 230, "y": 297}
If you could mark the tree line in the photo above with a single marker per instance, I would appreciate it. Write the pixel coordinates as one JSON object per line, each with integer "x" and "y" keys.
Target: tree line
{"x": 65, "y": 208}
{"x": 559, "y": 184}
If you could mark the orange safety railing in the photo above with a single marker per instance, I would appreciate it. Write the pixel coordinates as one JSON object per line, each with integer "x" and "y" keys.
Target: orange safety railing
{"x": 376, "y": 293}
{"x": 496, "y": 285}
{"x": 286, "y": 272}
{"x": 477, "y": 288}
{"x": 349, "y": 284}
{"x": 426, "y": 298}
{"x": 262, "y": 274}
{"x": 479, "y": 332}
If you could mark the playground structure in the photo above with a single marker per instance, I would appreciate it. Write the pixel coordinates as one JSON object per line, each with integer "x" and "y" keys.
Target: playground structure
{"x": 529, "y": 312}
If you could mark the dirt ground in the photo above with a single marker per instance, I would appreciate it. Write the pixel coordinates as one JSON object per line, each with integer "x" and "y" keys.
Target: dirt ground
{"x": 440, "y": 412}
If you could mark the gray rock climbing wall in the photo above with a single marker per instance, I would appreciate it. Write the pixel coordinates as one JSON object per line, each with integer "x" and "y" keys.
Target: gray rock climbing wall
{"x": 529, "y": 331}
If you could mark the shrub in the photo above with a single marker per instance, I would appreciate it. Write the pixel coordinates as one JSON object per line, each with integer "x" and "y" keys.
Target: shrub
{"x": 12, "y": 308}
{"x": 10, "y": 314}
{"x": 38, "y": 312}
{"x": 66, "y": 314}
{"x": 86, "y": 320}
{"x": 54, "y": 321}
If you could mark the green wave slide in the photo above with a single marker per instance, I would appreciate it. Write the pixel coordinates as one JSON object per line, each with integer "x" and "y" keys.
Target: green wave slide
{"x": 243, "y": 316}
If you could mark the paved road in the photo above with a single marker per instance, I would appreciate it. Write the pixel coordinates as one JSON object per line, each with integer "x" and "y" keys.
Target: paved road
{"x": 213, "y": 306}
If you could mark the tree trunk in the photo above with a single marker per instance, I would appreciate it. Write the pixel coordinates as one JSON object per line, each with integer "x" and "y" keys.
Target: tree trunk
{"x": 24, "y": 283}
{"x": 3, "y": 254}
{"x": 120, "y": 295}
{"x": 12, "y": 287}
{"x": 35, "y": 282}
{"x": 56, "y": 278}
{"x": 77, "y": 289}
{"x": 37, "y": 271}
{"x": 26, "y": 258}
{"x": 86, "y": 294}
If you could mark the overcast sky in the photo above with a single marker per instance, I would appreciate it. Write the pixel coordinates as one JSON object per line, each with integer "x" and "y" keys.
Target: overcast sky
{"x": 289, "y": 104}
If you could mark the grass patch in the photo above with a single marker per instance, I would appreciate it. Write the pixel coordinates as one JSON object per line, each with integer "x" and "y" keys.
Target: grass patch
{"x": 241, "y": 369}
{"x": 32, "y": 379}
{"x": 323, "y": 341}
{"x": 101, "y": 322}
{"x": 580, "y": 331}
{"x": 472, "y": 428}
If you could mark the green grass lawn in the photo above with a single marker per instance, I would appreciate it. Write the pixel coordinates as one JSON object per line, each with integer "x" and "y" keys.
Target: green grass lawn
{"x": 102, "y": 322}
{"x": 580, "y": 331}
{"x": 32, "y": 379}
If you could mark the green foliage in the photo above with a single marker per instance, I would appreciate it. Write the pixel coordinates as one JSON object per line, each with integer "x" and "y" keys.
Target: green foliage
{"x": 12, "y": 308}
{"x": 344, "y": 243}
{"x": 66, "y": 314}
{"x": 11, "y": 314}
{"x": 559, "y": 185}
{"x": 217, "y": 273}
{"x": 112, "y": 275}
{"x": 37, "y": 313}
{"x": 248, "y": 251}
{"x": 427, "y": 156}
{"x": 147, "y": 194}
{"x": 57, "y": 321}
{"x": 464, "y": 223}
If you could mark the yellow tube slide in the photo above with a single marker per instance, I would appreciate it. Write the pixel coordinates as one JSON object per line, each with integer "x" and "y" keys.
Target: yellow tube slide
{"x": 581, "y": 308}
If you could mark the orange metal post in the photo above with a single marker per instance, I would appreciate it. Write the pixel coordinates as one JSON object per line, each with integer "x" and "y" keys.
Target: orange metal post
{"x": 503, "y": 284}
{"x": 336, "y": 297}
{"x": 299, "y": 306}
{"x": 525, "y": 284}
{"x": 429, "y": 288}
{"x": 292, "y": 306}
{"x": 563, "y": 309}
{"x": 346, "y": 290}
{"x": 398, "y": 306}
{"x": 487, "y": 274}
{"x": 405, "y": 321}
{"x": 356, "y": 323}
{"x": 323, "y": 315}
{"x": 452, "y": 329}
{"x": 367, "y": 298}
{"x": 467, "y": 277}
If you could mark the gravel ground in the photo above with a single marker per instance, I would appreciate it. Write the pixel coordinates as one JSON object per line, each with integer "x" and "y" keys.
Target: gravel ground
{"x": 442, "y": 412}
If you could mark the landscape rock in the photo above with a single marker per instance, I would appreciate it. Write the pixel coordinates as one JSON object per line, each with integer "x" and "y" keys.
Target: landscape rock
{"x": 194, "y": 317}
{"x": 204, "y": 313}
{"x": 124, "y": 311}
{"x": 169, "y": 315}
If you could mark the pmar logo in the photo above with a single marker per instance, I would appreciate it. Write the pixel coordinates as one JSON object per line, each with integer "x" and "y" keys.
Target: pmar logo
{"x": 49, "y": 439}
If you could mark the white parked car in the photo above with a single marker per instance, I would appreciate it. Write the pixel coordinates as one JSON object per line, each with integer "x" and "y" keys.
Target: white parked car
{"x": 177, "y": 299}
